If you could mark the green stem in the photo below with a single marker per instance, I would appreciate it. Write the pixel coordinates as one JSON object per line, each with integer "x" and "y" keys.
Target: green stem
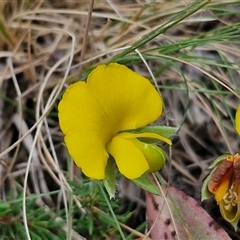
{"x": 111, "y": 210}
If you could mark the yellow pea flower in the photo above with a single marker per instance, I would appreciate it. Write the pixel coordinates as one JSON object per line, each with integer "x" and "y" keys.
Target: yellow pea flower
{"x": 237, "y": 120}
{"x": 97, "y": 117}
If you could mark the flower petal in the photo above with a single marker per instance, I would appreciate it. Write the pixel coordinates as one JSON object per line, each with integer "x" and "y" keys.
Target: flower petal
{"x": 129, "y": 99}
{"x": 154, "y": 155}
{"x": 232, "y": 216}
{"x": 233, "y": 213}
{"x": 219, "y": 172}
{"x": 223, "y": 186}
{"x": 237, "y": 120}
{"x": 84, "y": 123}
{"x": 129, "y": 159}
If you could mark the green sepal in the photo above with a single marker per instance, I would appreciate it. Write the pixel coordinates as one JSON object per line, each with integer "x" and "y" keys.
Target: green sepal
{"x": 235, "y": 224}
{"x": 205, "y": 193}
{"x": 109, "y": 181}
{"x": 218, "y": 160}
{"x": 157, "y": 158}
{"x": 146, "y": 183}
{"x": 164, "y": 131}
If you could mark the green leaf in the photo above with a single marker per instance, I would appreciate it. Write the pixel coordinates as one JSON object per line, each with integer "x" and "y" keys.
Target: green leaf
{"x": 146, "y": 183}
{"x": 109, "y": 181}
{"x": 5, "y": 32}
{"x": 164, "y": 131}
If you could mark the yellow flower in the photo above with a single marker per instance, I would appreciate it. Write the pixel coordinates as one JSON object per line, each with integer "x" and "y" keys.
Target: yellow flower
{"x": 237, "y": 120}
{"x": 224, "y": 183}
{"x": 96, "y": 118}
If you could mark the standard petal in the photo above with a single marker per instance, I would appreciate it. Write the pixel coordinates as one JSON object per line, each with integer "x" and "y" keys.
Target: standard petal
{"x": 219, "y": 172}
{"x": 223, "y": 186}
{"x": 129, "y": 99}
{"x": 237, "y": 119}
{"x": 84, "y": 124}
{"x": 129, "y": 159}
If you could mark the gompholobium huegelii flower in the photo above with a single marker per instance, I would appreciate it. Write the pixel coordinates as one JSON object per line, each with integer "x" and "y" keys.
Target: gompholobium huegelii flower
{"x": 224, "y": 183}
{"x": 237, "y": 120}
{"x": 100, "y": 119}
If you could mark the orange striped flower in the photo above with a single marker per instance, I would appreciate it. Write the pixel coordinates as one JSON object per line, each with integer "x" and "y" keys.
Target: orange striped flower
{"x": 224, "y": 183}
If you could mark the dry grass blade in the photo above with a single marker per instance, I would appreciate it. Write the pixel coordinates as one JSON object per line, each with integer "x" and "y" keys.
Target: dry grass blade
{"x": 46, "y": 45}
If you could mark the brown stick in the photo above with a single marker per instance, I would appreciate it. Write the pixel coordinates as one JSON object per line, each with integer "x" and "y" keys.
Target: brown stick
{"x": 85, "y": 36}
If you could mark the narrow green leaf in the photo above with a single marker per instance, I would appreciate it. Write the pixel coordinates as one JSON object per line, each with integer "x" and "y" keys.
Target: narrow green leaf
{"x": 109, "y": 181}
{"x": 164, "y": 131}
{"x": 145, "y": 183}
{"x": 4, "y": 32}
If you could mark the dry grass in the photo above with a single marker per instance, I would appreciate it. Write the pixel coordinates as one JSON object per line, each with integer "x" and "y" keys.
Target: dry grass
{"x": 45, "y": 46}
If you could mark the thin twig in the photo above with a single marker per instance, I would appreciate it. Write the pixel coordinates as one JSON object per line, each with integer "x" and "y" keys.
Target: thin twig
{"x": 85, "y": 36}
